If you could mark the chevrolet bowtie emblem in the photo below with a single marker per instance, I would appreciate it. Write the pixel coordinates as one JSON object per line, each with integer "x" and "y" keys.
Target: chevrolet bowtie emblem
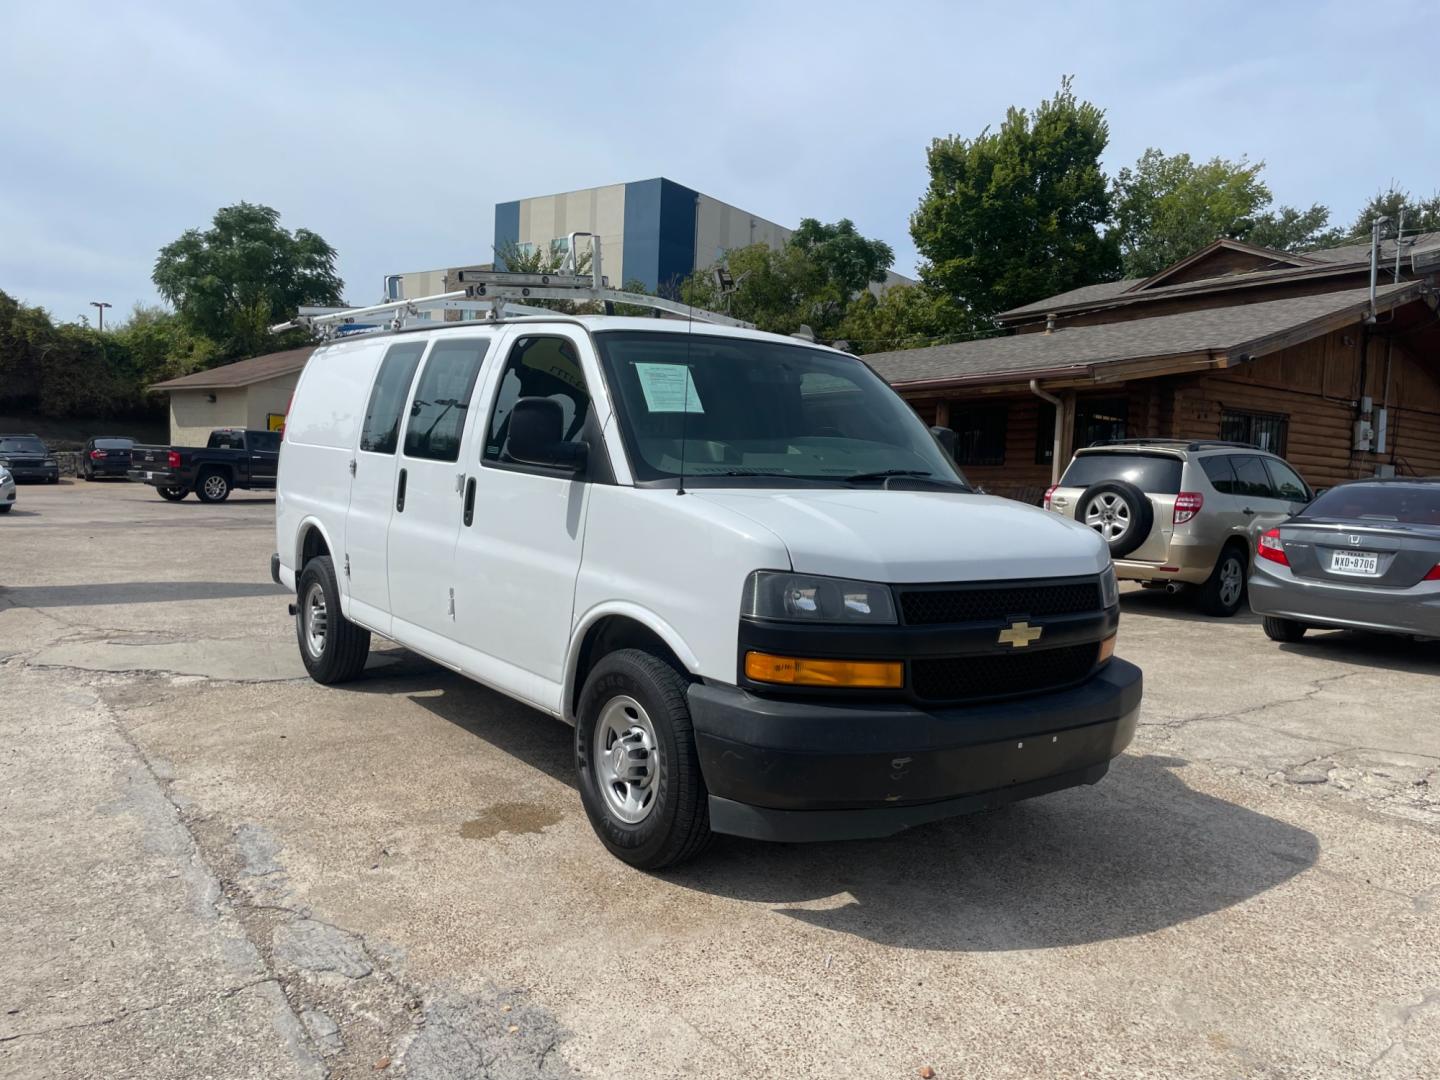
{"x": 1020, "y": 634}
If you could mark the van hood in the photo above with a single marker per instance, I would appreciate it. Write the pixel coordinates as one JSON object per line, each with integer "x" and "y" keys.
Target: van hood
{"x": 917, "y": 536}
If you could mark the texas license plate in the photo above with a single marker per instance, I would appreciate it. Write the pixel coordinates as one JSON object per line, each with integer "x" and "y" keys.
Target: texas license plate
{"x": 1360, "y": 563}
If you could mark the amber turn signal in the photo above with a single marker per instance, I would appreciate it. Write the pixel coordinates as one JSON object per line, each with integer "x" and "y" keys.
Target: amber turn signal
{"x": 794, "y": 671}
{"x": 1107, "y": 648}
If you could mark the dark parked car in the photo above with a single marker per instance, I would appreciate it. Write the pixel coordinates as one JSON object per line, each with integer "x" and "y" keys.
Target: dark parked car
{"x": 1363, "y": 556}
{"x": 233, "y": 458}
{"x": 28, "y": 458}
{"x": 106, "y": 455}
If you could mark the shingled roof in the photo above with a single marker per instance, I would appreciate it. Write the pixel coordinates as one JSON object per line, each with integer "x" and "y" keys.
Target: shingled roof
{"x": 242, "y": 372}
{"x": 1078, "y": 351}
{"x": 1316, "y": 263}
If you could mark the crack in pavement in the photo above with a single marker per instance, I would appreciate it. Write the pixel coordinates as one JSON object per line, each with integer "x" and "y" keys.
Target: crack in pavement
{"x": 125, "y": 1014}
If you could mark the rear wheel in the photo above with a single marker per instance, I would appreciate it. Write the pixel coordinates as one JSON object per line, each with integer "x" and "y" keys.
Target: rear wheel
{"x": 212, "y": 487}
{"x": 1285, "y": 630}
{"x": 173, "y": 494}
{"x": 639, "y": 771}
{"x": 333, "y": 648}
{"x": 1224, "y": 590}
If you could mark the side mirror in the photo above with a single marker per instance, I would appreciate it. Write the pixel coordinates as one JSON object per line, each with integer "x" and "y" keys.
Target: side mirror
{"x": 537, "y": 436}
{"x": 947, "y": 439}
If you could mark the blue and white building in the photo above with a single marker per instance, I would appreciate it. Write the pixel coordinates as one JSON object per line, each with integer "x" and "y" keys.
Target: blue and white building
{"x": 655, "y": 232}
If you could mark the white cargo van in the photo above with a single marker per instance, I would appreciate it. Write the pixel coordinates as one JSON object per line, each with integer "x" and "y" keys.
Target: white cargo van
{"x": 737, "y": 563}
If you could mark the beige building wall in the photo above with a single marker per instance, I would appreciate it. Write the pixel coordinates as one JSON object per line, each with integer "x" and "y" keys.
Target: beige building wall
{"x": 719, "y": 227}
{"x": 270, "y": 396}
{"x": 595, "y": 210}
{"x": 193, "y": 416}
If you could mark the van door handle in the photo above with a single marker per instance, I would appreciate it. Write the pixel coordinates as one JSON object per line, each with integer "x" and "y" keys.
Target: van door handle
{"x": 400, "y": 494}
{"x": 469, "y": 502}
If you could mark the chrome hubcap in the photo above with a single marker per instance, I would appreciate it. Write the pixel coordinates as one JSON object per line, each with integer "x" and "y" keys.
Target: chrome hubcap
{"x": 315, "y": 620}
{"x": 627, "y": 759}
{"x": 214, "y": 486}
{"x": 1232, "y": 580}
{"x": 1108, "y": 515}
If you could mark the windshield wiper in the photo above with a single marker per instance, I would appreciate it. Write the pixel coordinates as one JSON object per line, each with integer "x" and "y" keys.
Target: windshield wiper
{"x": 908, "y": 474}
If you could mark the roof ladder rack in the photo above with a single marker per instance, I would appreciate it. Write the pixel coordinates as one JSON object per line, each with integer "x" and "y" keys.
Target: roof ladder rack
{"x": 491, "y": 291}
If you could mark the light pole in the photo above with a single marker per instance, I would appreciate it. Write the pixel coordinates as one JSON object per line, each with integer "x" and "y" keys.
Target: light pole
{"x": 100, "y": 305}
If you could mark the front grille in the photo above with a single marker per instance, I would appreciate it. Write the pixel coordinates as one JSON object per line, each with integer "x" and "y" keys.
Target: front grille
{"x": 968, "y": 678}
{"x": 927, "y": 607}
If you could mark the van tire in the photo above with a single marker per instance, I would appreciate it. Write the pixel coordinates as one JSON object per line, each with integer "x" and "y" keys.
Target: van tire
{"x": 1284, "y": 630}
{"x": 1124, "y": 498}
{"x": 1219, "y": 596}
{"x": 173, "y": 494}
{"x": 676, "y": 825}
{"x": 334, "y": 651}
{"x": 212, "y": 486}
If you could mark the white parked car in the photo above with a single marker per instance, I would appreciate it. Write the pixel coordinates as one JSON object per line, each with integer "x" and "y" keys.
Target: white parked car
{"x": 7, "y": 490}
{"x": 738, "y": 564}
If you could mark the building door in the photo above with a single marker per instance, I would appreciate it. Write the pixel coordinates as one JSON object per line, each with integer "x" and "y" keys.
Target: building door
{"x": 518, "y": 552}
{"x": 428, "y": 490}
{"x": 372, "y": 491}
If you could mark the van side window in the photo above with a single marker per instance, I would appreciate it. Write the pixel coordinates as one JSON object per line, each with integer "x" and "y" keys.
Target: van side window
{"x": 1251, "y": 477}
{"x": 381, "y": 433}
{"x": 437, "y": 415}
{"x": 1286, "y": 482}
{"x": 539, "y": 367}
{"x": 1222, "y": 476}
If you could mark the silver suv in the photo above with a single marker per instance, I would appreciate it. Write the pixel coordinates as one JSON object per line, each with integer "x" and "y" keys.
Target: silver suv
{"x": 1177, "y": 513}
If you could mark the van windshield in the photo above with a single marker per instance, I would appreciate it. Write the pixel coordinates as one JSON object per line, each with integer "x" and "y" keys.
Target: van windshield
{"x": 744, "y": 411}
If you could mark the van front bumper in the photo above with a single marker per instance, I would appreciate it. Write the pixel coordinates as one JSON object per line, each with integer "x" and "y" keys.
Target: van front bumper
{"x": 814, "y": 770}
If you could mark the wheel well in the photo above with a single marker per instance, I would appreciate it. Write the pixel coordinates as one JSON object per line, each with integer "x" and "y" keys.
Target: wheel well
{"x": 610, "y": 634}
{"x": 312, "y": 546}
{"x": 1240, "y": 544}
{"x": 224, "y": 470}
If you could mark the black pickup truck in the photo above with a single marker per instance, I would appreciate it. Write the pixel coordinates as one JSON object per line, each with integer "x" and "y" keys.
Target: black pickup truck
{"x": 233, "y": 458}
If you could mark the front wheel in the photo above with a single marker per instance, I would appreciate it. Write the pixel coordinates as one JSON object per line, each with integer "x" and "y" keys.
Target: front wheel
{"x": 213, "y": 487}
{"x": 639, "y": 771}
{"x": 333, "y": 648}
{"x": 1284, "y": 630}
{"x": 1224, "y": 590}
{"x": 173, "y": 494}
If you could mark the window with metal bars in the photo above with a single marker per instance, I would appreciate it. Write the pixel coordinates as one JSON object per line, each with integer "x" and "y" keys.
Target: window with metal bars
{"x": 980, "y": 434}
{"x": 1265, "y": 430}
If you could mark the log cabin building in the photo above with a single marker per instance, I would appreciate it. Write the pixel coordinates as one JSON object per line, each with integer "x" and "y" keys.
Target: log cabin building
{"x": 1287, "y": 351}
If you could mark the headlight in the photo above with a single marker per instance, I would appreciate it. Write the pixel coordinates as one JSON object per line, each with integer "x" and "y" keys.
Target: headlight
{"x": 1109, "y": 588}
{"x": 773, "y": 594}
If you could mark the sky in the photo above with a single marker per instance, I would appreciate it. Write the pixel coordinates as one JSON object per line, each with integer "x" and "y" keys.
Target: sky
{"x": 393, "y": 129}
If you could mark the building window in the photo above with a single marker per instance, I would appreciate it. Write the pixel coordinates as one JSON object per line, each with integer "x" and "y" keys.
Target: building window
{"x": 1045, "y": 434}
{"x": 1265, "y": 430}
{"x": 980, "y": 434}
{"x": 1100, "y": 420}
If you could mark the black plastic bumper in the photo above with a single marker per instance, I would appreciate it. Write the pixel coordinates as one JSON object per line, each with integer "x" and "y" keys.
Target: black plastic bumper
{"x": 275, "y": 568}
{"x": 45, "y": 474}
{"x": 788, "y": 770}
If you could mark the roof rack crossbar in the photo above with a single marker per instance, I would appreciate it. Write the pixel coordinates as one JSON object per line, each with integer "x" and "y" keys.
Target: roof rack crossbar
{"x": 1179, "y": 444}
{"x": 489, "y": 292}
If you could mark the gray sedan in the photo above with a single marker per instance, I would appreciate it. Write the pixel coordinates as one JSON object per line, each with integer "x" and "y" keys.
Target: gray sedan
{"x": 1363, "y": 556}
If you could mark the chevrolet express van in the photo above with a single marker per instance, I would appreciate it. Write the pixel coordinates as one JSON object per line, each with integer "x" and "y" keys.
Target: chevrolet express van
{"x": 738, "y": 564}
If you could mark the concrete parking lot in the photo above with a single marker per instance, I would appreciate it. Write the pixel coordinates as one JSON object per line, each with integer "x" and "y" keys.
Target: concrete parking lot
{"x": 212, "y": 867}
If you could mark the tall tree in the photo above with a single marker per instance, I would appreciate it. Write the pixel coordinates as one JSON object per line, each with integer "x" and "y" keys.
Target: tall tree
{"x": 233, "y": 280}
{"x": 1171, "y": 206}
{"x": 904, "y": 317}
{"x": 1014, "y": 215}
{"x": 1421, "y": 215}
{"x": 811, "y": 281}
{"x": 848, "y": 259}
